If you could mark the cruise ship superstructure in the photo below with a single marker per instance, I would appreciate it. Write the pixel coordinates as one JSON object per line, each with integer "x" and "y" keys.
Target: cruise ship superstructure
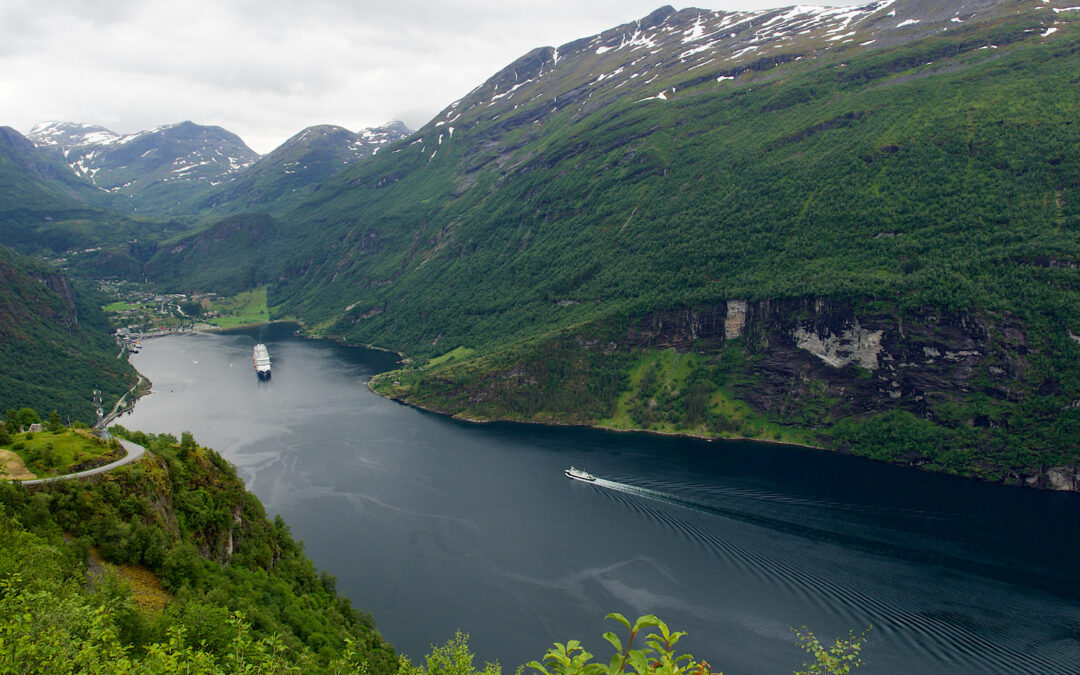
{"x": 262, "y": 361}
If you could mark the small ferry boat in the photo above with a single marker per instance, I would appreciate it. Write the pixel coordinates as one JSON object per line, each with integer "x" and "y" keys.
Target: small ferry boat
{"x": 578, "y": 474}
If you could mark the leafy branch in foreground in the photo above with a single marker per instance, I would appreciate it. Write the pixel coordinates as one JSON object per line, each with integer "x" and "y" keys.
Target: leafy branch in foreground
{"x": 839, "y": 659}
{"x": 658, "y": 656}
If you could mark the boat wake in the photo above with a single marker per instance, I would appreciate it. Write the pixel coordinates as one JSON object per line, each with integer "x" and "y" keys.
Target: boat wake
{"x": 842, "y": 594}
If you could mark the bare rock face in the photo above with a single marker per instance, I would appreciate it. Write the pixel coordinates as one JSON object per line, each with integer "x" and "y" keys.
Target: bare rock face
{"x": 1065, "y": 478}
{"x": 854, "y": 345}
{"x": 736, "y": 319}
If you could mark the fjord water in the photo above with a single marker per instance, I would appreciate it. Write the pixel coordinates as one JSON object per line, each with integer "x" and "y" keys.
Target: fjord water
{"x": 435, "y": 525}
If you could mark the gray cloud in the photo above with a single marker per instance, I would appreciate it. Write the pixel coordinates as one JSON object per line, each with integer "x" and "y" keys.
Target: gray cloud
{"x": 267, "y": 68}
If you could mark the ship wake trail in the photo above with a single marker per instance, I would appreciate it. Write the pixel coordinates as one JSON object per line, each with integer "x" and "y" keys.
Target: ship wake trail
{"x": 842, "y": 595}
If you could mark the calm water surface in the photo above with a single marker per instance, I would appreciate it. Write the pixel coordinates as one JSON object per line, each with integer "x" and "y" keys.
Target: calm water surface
{"x": 435, "y": 525}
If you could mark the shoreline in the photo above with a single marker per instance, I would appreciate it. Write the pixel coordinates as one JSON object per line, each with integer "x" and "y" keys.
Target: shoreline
{"x": 1025, "y": 480}
{"x": 585, "y": 425}
{"x": 1022, "y": 485}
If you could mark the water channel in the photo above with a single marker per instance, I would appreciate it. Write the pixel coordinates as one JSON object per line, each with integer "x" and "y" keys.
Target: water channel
{"x": 435, "y": 525}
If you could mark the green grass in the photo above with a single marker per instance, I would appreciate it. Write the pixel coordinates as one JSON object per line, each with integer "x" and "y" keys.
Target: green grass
{"x": 458, "y": 354}
{"x": 673, "y": 374}
{"x": 241, "y": 309}
{"x": 671, "y": 368}
{"x": 120, "y": 306}
{"x": 67, "y": 447}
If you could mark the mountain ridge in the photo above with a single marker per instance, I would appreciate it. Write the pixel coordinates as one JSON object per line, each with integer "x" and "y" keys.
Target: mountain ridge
{"x": 185, "y": 168}
{"x": 160, "y": 171}
{"x": 289, "y": 173}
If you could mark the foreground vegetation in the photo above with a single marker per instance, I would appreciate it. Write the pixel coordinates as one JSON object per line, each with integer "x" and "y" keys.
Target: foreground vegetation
{"x": 241, "y": 591}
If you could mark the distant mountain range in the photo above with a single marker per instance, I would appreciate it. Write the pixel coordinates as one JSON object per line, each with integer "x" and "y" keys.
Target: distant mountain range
{"x": 163, "y": 170}
{"x": 185, "y": 168}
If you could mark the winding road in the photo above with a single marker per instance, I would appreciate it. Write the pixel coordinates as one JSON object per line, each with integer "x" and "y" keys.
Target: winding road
{"x": 134, "y": 452}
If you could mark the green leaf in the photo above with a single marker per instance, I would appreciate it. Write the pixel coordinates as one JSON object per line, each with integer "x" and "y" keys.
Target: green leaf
{"x": 535, "y": 665}
{"x": 620, "y": 618}
{"x": 644, "y": 621}
{"x": 615, "y": 666}
{"x": 614, "y": 640}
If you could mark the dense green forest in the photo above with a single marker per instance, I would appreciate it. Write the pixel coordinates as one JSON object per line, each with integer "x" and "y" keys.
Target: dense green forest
{"x": 950, "y": 184}
{"x": 56, "y": 346}
{"x": 567, "y": 255}
{"x": 933, "y": 181}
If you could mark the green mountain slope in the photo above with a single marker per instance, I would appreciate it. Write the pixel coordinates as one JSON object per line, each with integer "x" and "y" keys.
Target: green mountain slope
{"x": 55, "y": 343}
{"x": 780, "y": 186}
{"x": 855, "y": 219}
{"x": 244, "y": 249}
{"x": 289, "y": 174}
{"x": 35, "y": 179}
{"x": 46, "y": 209}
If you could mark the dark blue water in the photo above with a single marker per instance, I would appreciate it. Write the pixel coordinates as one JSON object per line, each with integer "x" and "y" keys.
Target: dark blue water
{"x": 435, "y": 525}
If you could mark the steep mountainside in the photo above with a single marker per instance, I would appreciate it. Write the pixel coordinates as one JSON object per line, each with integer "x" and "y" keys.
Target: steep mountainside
{"x": 292, "y": 171}
{"x": 164, "y": 171}
{"x": 32, "y": 178}
{"x": 55, "y": 343}
{"x": 44, "y": 208}
{"x": 578, "y": 192}
{"x": 244, "y": 248}
{"x": 890, "y": 192}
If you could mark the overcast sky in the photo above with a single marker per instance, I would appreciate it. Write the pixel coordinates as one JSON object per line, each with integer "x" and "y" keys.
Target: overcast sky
{"x": 265, "y": 69}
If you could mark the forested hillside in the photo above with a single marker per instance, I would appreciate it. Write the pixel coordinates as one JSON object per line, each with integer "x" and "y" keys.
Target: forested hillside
{"x": 195, "y": 577}
{"x": 46, "y": 209}
{"x": 55, "y": 343}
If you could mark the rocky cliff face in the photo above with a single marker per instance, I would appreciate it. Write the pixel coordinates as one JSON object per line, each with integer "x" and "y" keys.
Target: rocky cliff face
{"x": 811, "y": 362}
{"x": 859, "y": 360}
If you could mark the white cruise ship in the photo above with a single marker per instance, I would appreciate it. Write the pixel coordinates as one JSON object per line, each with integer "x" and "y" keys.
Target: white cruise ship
{"x": 262, "y": 361}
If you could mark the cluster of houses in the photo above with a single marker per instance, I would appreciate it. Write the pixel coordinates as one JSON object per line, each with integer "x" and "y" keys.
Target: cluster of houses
{"x": 148, "y": 313}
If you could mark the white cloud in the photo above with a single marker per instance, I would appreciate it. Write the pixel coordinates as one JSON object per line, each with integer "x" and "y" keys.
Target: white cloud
{"x": 265, "y": 69}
